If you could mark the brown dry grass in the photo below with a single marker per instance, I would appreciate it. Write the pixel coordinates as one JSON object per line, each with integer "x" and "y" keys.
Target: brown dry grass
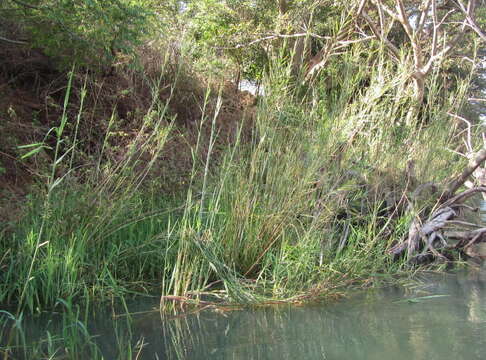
{"x": 31, "y": 102}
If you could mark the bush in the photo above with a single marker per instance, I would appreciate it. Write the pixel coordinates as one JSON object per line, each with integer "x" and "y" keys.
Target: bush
{"x": 91, "y": 32}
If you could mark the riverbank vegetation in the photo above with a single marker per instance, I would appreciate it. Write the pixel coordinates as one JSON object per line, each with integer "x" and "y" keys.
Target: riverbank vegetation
{"x": 132, "y": 164}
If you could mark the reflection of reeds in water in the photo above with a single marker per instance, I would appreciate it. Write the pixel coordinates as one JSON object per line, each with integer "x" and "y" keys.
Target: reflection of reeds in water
{"x": 435, "y": 328}
{"x": 371, "y": 325}
{"x": 477, "y": 310}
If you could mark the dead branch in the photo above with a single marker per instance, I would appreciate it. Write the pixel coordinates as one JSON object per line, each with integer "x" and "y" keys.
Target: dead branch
{"x": 380, "y": 35}
{"x": 464, "y": 235}
{"x": 471, "y": 21}
{"x": 445, "y": 214}
{"x": 429, "y": 46}
{"x": 419, "y": 232}
{"x": 273, "y": 37}
{"x": 423, "y": 14}
{"x": 10, "y": 41}
{"x": 455, "y": 184}
{"x": 465, "y": 195}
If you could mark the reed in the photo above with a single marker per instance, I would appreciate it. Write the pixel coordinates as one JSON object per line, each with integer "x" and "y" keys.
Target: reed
{"x": 297, "y": 213}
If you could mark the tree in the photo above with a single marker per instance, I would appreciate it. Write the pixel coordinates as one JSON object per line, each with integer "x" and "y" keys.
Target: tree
{"x": 250, "y": 32}
{"x": 432, "y": 29}
{"x": 89, "y": 32}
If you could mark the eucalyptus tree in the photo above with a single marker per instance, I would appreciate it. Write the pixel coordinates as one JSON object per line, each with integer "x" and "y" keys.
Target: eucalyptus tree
{"x": 433, "y": 30}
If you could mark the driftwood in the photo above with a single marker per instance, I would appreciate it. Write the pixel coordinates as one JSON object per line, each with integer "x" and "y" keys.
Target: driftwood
{"x": 430, "y": 238}
{"x": 427, "y": 232}
{"x": 474, "y": 163}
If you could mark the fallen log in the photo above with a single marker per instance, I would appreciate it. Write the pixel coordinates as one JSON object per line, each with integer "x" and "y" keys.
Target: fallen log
{"x": 420, "y": 245}
{"x": 455, "y": 184}
{"x": 426, "y": 232}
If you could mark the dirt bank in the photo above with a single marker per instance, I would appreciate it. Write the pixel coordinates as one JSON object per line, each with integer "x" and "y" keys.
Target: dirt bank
{"x": 32, "y": 93}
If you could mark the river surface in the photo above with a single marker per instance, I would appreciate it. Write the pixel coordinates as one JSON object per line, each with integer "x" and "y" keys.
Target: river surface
{"x": 439, "y": 317}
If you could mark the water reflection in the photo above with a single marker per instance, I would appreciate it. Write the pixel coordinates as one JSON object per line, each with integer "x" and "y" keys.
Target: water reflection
{"x": 375, "y": 324}
{"x": 371, "y": 325}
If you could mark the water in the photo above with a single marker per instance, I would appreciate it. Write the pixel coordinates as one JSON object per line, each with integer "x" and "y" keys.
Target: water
{"x": 252, "y": 87}
{"x": 369, "y": 325}
{"x": 375, "y": 324}
{"x": 482, "y": 210}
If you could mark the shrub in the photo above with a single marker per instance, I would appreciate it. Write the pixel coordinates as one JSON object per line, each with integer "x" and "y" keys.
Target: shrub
{"x": 91, "y": 32}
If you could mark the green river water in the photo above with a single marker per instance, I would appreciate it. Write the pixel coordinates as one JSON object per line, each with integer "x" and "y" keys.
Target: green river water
{"x": 439, "y": 317}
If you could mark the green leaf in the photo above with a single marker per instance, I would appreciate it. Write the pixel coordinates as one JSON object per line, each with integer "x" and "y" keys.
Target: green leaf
{"x": 30, "y": 145}
{"x": 32, "y": 152}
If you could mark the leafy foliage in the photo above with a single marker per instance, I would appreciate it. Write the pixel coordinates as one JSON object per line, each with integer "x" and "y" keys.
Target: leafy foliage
{"x": 90, "y": 32}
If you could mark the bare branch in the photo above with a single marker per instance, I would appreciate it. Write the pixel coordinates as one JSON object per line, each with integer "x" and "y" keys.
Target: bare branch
{"x": 423, "y": 14}
{"x": 387, "y": 10}
{"x": 464, "y": 195}
{"x": 382, "y": 20}
{"x": 427, "y": 50}
{"x": 24, "y": 4}
{"x": 390, "y": 46}
{"x": 404, "y": 19}
{"x": 435, "y": 29}
{"x": 468, "y": 12}
{"x": 444, "y": 18}
{"x": 461, "y": 179}
{"x": 16, "y": 42}
{"x": 299, "y": 35}
{"x": 361, "y": 7}
{"x": 434, "y": 58}
{"x": 273, "y": 37}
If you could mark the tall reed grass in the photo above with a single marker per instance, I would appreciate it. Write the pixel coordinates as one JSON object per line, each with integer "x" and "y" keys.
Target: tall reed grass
{"x": 296, "y": 213}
